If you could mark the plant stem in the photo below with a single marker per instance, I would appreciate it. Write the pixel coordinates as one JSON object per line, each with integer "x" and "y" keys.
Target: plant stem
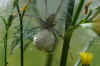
{"x": 5, "y": 47}
{"x": 21, "y": 36}
{"x": 65, "y": 49}
{"x": 68, "y": 33}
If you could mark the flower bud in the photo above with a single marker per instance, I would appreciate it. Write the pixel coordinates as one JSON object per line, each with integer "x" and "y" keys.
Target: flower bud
{"x": 24, "y": 8}
{"x": 86, "y": 57}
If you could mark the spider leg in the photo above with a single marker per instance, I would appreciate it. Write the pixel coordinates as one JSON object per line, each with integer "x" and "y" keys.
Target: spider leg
{"x": 41, "y": 21}
{"x": 46, "y": 8}
{"x": 58, "y": 33}
{"x": 58, "y": 8}
{"x": 26, "y": 15}
{"x": 56, "y": 40}
{"x": 53, "y": 16}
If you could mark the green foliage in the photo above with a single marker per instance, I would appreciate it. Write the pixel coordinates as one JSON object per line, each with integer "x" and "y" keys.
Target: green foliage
{"x": 15, "y": 3}
{"x": 31, "y": 27}
{"x": 77, "y": 12}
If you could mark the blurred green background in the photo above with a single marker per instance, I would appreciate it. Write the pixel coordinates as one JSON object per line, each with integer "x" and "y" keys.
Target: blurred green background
{"x": 32, "y": 56}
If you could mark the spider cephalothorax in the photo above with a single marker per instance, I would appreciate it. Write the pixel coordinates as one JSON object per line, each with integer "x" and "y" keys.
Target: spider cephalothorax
{"x": 49, "y": 23}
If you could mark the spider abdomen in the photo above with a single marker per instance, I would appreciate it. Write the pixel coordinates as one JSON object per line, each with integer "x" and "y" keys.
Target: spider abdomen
{"x": 44, "y": 40}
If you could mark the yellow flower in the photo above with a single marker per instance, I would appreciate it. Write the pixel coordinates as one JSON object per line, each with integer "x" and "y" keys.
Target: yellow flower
{"x": 86, "y": 57}
{"x": 24, "y": 8}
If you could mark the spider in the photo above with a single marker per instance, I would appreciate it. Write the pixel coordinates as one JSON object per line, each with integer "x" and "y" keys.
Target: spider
{"x": 46, "y": 39}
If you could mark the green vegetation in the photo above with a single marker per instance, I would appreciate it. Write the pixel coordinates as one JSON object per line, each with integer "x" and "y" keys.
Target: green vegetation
{"x": 16, "y": 37}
